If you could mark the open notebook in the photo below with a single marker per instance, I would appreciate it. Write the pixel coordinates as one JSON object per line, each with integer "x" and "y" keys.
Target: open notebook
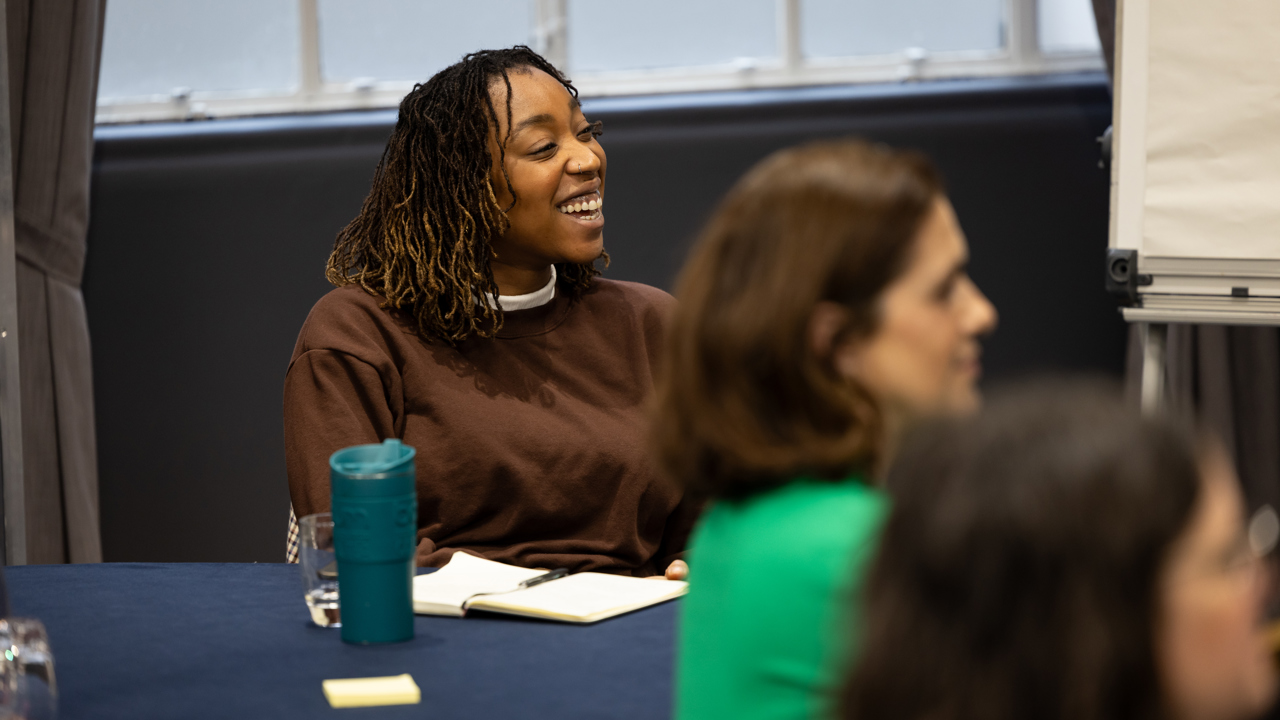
{"x": 582, "y": 598}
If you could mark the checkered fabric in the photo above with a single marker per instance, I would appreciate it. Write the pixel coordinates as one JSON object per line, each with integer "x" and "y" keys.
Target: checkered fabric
{"x": 291, "y": 541}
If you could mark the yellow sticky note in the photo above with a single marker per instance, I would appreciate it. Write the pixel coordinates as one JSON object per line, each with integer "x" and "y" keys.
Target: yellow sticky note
{"x": 367, "y": 692}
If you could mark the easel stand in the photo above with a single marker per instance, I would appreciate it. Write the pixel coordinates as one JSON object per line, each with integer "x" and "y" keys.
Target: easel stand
{"x": 1154, "y": 342}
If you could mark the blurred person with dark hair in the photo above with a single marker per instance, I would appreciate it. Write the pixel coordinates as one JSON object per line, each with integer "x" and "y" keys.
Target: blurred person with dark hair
{"x": 470, "y": 321}
{"x": 824, "y": 309}
{"x": 1063, "y": 558}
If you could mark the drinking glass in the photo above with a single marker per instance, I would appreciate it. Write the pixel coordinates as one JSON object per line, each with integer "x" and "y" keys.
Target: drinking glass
{"x": 319, "y": 568}
{"x": 27, "y": 686}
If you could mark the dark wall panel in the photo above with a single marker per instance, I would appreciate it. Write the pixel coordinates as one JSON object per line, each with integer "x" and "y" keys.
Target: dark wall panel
{"x": 207, "y": 247}
{"x": 205, "y": 261}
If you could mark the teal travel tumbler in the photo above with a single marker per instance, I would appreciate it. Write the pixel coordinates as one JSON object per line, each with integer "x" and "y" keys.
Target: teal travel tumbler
{"x": 375, "y": 523}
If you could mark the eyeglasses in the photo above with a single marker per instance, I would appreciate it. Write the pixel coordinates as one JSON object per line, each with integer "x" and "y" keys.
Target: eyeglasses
{"x": 1252, "y": 549}
{"x": 1264, "y": 531}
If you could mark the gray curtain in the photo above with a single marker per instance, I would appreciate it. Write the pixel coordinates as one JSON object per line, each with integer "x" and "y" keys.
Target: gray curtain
{"x": 1229, "y": 377}
{"x": 1104, "y": 15}
{"x": 54, "y": 49}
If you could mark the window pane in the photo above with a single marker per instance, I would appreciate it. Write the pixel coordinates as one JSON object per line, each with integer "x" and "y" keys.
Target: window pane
{"x": 669, "y": 33}
{"x": 836, "y": 28}
{"x": 151, "y": 47}
{"x": 1068, "y": 25}
{"x": 414, "y": 39}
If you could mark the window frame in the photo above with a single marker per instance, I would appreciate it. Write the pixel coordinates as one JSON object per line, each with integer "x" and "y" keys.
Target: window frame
{"x": 1021, "y": 55}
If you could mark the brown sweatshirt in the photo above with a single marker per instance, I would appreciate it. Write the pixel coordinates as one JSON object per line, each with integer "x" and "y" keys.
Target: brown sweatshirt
{"x": 530, "y": 445}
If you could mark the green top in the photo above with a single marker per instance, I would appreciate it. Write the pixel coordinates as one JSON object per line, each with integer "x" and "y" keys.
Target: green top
{"x": 765, "y": 628}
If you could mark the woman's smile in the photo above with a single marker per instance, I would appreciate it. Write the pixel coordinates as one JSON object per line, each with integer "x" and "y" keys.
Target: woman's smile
{"x": 584, "y": 208}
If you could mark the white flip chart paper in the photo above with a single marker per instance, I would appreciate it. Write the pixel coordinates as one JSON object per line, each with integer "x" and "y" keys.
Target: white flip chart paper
{"x": 1213, "y": 129}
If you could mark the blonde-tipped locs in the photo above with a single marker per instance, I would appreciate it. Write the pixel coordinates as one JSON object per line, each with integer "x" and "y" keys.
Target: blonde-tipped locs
{"x": 422, "y": 240}
{"x": 744, "y": 402}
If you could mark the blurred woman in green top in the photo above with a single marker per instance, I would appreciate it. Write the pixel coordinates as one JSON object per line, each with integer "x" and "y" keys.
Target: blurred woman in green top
{"x": 825, "y": 308}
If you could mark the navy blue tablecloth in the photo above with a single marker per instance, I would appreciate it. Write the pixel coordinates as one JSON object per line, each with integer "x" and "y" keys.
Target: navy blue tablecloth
{"x": 234, "y": 641}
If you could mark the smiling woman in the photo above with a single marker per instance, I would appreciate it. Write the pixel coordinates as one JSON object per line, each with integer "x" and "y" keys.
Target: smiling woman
{"x": 551, "y": 154}
{"x": 470, "y": 321}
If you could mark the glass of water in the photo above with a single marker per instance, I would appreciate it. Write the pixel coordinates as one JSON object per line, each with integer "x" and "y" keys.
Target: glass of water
{"x": 319, "y": 568}
{"x": 27, "y": 686}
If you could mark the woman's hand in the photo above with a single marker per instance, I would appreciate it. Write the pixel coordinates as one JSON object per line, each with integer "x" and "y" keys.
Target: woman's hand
{"x": 677, "y": 570}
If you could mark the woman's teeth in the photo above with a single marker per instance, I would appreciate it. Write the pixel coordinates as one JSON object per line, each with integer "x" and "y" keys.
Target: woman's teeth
{"x": 582, "y": 206}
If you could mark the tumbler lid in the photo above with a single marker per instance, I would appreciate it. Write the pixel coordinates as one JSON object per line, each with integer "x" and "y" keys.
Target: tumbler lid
{"x": 391, "y": 457}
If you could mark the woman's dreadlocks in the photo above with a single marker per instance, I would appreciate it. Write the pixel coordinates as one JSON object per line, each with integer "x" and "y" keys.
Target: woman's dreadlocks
{"x": 422, "y": 241}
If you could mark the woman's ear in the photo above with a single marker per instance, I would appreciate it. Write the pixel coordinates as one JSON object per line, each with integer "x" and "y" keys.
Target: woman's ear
{"x": 827, "y": 340}
{"x": 826, "y": 322}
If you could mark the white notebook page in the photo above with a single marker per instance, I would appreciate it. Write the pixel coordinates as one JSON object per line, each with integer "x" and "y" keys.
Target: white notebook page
{"x": 585, "y": 596}
{"x": 464, "y": 576}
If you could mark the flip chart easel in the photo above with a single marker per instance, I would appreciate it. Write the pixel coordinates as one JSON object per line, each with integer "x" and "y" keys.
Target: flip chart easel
{"x": 1195, "y": 193}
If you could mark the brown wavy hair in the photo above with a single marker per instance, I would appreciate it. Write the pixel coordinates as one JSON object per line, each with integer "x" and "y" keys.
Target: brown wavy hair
{"x": 744, "y": 404}
{"x": 1018, "y": 573}
{"x": 422, "y": 240}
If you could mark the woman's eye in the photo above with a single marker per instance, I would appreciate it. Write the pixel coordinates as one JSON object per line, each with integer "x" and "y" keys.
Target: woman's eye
{"x": 545, "y": 148}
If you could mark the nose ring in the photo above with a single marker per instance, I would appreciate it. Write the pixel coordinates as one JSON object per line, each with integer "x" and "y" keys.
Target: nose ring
{"x": 579, "y": 167}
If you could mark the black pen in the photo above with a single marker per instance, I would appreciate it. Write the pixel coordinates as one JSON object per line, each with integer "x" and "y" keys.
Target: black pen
{"x": 545, "y": 577}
